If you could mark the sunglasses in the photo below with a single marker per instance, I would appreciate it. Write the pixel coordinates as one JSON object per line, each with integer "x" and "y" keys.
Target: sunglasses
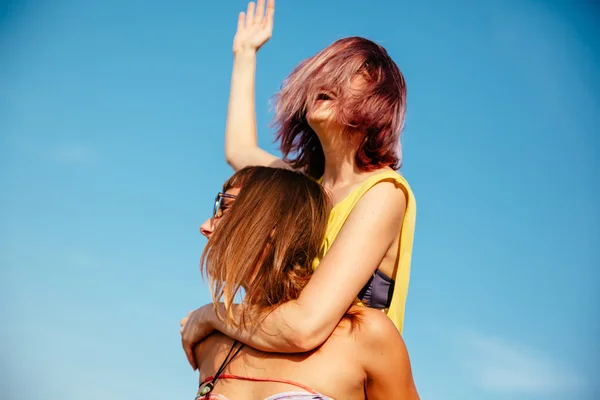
{"x": 218, "y": 207}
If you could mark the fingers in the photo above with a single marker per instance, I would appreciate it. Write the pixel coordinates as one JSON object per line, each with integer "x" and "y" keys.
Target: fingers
{"x": 182, "y": 323}
{"x": 250, "y": 14}
{"x": 260, "y": 10}
{"x": 241, "y": 21}
{"x": 270, "y": 13}
{"x": 189, "y": 353}
{"x": 184, "y": 320}
{"x": 255, "y": 14}
{"x": 188, "y": 347}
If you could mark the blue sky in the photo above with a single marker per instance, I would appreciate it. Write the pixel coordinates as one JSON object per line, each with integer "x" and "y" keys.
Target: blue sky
{"x": 111, "y": 150}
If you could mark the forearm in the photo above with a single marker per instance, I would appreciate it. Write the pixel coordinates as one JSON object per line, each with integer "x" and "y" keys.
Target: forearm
{"x": 287, "y": 329}
{"x": 240, "y": 131}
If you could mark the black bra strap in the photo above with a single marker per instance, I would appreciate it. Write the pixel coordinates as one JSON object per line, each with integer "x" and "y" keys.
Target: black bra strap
{"x": 230, "y": 356}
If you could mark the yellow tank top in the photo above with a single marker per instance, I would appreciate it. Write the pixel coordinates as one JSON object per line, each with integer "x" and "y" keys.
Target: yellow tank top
{"x": 342, "y": 210}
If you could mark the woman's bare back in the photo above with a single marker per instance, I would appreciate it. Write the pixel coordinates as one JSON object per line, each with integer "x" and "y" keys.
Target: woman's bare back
{"x": 334, "y": 369}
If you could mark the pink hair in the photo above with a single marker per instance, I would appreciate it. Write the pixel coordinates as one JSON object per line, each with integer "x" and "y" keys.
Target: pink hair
{"x": 376, "y": 110}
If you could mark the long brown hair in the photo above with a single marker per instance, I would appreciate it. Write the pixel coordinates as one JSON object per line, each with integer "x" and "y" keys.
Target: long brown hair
{"x": 266, "y": 243}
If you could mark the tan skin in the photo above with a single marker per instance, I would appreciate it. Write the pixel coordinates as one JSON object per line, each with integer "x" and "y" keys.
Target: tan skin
{"x": 368, "y": 360}
{"x": 209, "y": 226}
{"x": 367, "y": 241}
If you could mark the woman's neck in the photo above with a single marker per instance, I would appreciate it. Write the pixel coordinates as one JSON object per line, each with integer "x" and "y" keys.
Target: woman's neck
{"x": 340, "y": 159}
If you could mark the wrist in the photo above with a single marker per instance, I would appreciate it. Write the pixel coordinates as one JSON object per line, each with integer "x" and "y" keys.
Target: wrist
{"x": 208, "y": 314}
{"x": 244, "y": 54}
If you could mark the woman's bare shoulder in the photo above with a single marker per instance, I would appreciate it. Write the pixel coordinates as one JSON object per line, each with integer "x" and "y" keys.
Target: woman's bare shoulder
{"x": 373, "y": 328}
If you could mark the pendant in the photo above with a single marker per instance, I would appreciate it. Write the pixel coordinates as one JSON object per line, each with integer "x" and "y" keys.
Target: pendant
{"x": 206, "y": 389}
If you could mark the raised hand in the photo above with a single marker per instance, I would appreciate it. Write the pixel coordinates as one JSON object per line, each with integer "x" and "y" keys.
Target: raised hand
{"x": 254, "y": 27}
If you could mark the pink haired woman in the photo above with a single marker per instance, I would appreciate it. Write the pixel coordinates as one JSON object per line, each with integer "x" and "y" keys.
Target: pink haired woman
{"x": 339, "y": 116}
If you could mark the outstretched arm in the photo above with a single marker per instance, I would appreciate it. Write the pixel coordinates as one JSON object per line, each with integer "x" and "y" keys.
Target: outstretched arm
{"x": 241, "y": 146}
{"x": 306, "y": 323}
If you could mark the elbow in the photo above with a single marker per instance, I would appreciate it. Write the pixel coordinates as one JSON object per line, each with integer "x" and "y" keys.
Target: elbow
{"x": 230, "y": 162}
{"x": 238, "y": 158}
{"x": 306, "y": 336}
{"x": 231, "y": 157}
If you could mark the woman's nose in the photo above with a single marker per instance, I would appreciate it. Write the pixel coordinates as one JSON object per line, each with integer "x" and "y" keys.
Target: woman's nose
{"x": 207, "y": 228}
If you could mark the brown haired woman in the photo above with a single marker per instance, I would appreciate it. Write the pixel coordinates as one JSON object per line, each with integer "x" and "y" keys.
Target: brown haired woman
{"x": 339, "y": 114}
{"x": 287, "y": 214}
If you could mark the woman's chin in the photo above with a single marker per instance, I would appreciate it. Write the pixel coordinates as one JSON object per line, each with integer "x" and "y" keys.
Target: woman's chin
{"x": 319, "y": 121}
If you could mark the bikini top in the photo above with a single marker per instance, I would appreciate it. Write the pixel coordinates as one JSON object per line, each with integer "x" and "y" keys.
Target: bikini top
{"x": 309, "y": 394}
{"x": 206, "y": 387}
{"x": 378, "y": 291}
